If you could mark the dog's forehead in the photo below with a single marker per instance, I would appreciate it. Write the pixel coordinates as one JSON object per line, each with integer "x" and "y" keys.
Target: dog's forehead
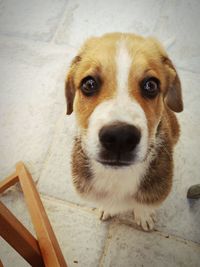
{"x": 108, "y": 50}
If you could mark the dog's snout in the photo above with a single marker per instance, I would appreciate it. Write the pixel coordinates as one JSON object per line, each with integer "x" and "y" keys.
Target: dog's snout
{"x": 119, "y": 138}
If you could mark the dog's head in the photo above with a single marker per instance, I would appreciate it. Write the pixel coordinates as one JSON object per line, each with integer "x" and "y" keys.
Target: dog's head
{"x": 118, "y": 86}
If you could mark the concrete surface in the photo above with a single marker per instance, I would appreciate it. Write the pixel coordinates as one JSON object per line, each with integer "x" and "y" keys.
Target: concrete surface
{"x": 38, "y": 39}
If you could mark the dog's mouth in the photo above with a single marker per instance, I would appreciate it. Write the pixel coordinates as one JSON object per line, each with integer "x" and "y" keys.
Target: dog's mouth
{"x": 115, "y": 163}
{"x": 117, "y": 159}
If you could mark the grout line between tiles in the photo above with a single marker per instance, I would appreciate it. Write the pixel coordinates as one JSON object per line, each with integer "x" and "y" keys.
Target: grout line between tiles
{"x": 70, "y": 204}
{"x": 178, "y": 239}
{"x": 61, "y": 22}
{"x": 160, "y": 233}
{"x": 108, "y": 239}
{"x": 59, "y": 25}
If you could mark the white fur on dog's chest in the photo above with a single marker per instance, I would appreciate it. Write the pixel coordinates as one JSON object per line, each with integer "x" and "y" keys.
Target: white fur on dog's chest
{"x": 115, "y": 187}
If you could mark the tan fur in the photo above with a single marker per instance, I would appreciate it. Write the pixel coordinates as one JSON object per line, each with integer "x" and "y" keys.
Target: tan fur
{"x": 97, "y": 58}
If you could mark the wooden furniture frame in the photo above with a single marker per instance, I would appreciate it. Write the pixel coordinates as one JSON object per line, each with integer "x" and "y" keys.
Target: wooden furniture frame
{"x": 40, "y": 252}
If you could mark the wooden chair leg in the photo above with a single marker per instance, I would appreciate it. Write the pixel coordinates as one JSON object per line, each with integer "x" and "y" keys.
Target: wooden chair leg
{"x": 46, "y": 237}
{"x": 49, "y": 247}
{"x": 19, "y": 237}
{"x": 8, "y": 182}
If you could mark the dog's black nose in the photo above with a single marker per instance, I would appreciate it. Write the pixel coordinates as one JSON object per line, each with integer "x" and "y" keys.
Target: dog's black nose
{"x": 119, "y": 138}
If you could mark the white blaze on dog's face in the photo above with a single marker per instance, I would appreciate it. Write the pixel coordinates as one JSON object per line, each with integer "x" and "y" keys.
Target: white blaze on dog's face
{"x": 121, "y": 108}
{"x": 119, "y": 83}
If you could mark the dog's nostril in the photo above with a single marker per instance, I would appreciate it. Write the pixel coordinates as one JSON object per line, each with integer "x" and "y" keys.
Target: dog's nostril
{"x": 119, "y": 137}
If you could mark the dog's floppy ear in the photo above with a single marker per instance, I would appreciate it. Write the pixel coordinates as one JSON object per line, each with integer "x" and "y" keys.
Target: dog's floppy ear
{"x": 173, "y": 95}
{"x": 69, "y": 85}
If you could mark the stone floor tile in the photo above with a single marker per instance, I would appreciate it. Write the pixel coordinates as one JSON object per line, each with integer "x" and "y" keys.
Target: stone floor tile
{"x": 31, "y": 99}
{"x": 36, "y": 20}
{"x": 9, "y": 257}
{"x": 179, "y": 22}
{"x": 56, "y": 178}
{"x": 86, "y": 18}
{"x": 129, "y": 247}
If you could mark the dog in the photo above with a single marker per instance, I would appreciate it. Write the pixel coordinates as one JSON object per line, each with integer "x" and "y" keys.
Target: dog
{"x": 124, "y": 90}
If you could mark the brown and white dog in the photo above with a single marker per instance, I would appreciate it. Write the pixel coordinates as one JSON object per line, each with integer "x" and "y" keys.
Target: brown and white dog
{"x": 124, "y": 90}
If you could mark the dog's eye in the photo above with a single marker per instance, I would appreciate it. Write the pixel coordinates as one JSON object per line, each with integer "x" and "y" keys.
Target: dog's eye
{"x": 150, "y": 87}
{"x": 89, "y": 86}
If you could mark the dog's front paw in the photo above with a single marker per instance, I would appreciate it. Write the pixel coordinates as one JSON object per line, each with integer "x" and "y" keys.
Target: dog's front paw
{"x": 104, "y": 216}
{"x": 145, "y": 218}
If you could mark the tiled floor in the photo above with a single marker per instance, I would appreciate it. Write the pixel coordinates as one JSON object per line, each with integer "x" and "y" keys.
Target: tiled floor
{"x": 38, "y": 39}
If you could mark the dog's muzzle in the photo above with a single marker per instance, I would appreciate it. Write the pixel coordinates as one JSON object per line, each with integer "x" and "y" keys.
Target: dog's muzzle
{"x": 118, "y": 144}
